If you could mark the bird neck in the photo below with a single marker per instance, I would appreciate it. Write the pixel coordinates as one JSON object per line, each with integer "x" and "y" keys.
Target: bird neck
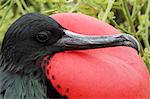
{"x": 14, "y": 86}
{"x": 19, "y": 64}
{"x": 32, "y": 79}
{"x": 17, "y": 82}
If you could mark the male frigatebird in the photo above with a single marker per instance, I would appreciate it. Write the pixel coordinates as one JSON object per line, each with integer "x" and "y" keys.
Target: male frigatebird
{"x": 33, "y": 37}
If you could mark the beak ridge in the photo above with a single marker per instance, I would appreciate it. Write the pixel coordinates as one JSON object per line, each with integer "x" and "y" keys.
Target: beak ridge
{"x": 74, "y": 41}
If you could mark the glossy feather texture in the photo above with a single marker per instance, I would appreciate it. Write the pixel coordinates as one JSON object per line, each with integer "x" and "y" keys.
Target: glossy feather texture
{"x": 21, "y": 77}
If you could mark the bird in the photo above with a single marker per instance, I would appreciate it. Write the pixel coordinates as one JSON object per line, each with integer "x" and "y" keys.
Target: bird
{"x": 34, "y": 37}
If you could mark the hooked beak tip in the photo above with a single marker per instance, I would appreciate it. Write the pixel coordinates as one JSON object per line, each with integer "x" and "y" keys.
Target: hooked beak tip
{"x": 133, "y": 42}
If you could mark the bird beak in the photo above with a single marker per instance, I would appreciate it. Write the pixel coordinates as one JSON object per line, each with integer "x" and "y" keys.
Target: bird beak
{"x": 74, "y": 41}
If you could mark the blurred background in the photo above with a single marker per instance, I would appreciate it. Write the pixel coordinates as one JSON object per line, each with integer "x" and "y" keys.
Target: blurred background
{"x": 128, "y": 16}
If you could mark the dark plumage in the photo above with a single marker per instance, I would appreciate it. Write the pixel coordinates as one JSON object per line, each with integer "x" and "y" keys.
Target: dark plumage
{"x": 20, "y": 75}
{"x": 27, "y": 41}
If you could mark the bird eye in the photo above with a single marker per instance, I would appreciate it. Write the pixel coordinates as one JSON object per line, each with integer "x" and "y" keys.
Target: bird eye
{"x": 42, "y": 37}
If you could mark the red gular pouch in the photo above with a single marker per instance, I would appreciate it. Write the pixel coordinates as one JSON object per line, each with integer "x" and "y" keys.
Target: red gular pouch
{"x": 103, "y": 73}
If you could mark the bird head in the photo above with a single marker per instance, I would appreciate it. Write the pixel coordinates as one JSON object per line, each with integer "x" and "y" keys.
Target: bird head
{"x": 34, "y": 36}
{"x": 28, "y": 39}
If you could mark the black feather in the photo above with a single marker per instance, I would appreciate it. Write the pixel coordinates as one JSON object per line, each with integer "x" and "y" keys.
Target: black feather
{"x": 20, "y": 74}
